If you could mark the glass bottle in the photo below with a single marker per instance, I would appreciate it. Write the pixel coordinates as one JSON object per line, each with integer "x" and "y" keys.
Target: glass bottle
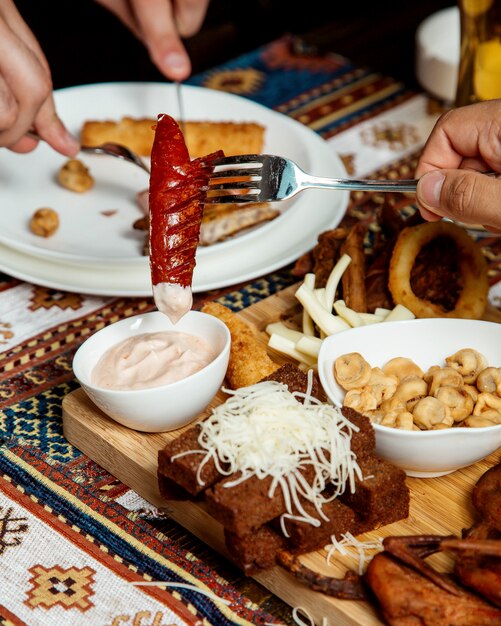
{"x": 479, "y": 74}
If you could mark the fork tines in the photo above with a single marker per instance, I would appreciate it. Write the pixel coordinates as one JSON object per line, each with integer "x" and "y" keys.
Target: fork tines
{"x": 239, "y": 158}
{"x": 235, "y": 180}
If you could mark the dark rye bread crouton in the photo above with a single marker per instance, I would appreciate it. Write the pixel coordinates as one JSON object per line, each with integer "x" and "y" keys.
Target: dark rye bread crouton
{"x": 183, "y": 471}
{"x": 363, "y": 441}
{"x": 296, "y": 380}
{"x": 381, "y": 497}
{"x": 230, "y": 505}
{"x": 303, "y": 537}
{"x": 256, "y": 551}
{"x": 251, "y": 518}
{"x": 245, "y": 506}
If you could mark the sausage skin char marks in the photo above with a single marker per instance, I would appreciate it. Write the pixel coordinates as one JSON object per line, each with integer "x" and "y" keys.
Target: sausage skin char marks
{"x": 177, "y": 190}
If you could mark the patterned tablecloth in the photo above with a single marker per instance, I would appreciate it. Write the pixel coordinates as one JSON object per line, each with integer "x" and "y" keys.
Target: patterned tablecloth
{"x": 73, "y": 540}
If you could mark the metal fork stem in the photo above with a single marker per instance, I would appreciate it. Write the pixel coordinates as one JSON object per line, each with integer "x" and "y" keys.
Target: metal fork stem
{"x": 117, "y": 151}
{"x": 180, "y": 107}
{"x": 110, "y": 149}
{"x": 408, "y": 185}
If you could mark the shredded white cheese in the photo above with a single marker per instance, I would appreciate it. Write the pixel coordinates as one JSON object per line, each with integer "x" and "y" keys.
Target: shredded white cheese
{"x": 323, "y": 315}
{"x": 265, "y": 431}
{"x": 352, "y": 547}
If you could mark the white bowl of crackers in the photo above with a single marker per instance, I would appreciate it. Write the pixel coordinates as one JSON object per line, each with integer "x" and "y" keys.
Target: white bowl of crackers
{"x": 431, "y": 387}
{"x": 151, "y": 375}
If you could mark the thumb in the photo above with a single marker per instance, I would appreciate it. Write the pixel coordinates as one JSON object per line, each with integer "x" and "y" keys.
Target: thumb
{"x": 462, "y": 195}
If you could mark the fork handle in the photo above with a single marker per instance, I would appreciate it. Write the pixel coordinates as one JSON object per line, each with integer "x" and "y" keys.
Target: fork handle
{"x": 404, "y": 184}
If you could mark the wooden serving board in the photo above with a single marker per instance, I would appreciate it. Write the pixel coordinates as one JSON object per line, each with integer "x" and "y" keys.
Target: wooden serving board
{"x": 438, "y": 505}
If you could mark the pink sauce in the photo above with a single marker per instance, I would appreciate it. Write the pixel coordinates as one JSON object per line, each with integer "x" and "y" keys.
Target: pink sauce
{"x": 151, "y": 360}
{"x": 173, "y": 300}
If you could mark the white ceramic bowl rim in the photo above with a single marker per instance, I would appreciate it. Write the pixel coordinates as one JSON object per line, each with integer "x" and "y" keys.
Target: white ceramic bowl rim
{"x": 453, "y": 431}
{"x": 132, "y": 392}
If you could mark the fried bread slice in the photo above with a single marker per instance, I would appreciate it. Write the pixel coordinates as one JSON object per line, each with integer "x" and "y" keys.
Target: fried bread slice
{"x": 249, "y": 360}
{"x": 221, "y": 221}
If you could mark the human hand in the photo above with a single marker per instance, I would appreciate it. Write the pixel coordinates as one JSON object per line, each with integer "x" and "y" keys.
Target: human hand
{"x": 464, "y": 142}
{"x": 160, "y": 24}
{"x": 26, "y": 100}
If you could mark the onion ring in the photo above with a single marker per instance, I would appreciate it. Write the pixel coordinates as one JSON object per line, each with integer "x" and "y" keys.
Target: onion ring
{"x": 472, "y": 265}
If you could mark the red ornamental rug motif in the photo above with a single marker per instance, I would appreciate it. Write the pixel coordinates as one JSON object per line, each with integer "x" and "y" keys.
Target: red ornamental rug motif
{"x": 52, "y": 574}
{"x": 55, "y": 572}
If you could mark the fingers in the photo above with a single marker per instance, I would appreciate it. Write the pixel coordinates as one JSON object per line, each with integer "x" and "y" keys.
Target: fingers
{"x": 26, "y": 90}
{"x": 461, "y": 195}
{"x": 466, "y": 133}
{"x": 122, "y": 10}
{"x": 160, "y": 24}
{"x": 24, "y": 85}
{"x": 189, "y": 16}
{"x": 50, "y": 128}
{"x": 157, "y": 23}
{"x": 464, "y": 142}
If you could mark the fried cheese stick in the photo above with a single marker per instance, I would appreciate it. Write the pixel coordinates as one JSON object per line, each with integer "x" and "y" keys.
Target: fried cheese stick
{"x": 202, "y": 137}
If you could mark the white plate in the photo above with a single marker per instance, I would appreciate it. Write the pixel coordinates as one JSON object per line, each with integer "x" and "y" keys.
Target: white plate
{"x": 86, "y": 236}
{"x": 246, "y": 259}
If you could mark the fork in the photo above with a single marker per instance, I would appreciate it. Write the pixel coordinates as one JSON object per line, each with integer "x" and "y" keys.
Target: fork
{"x": 118, "y": 151}
{"x": 110, "y": 149}
{"x": 269, "y": 178}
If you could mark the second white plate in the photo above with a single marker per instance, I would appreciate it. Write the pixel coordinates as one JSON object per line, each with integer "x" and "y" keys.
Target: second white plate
{"x": 245, "y": 260}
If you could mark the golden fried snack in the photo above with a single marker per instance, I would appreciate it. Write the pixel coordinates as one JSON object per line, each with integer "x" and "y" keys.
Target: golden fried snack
{"x": 202, "y": 137}
{"x": 75, "y": 176}
{"x": 472, "y": 266}
{"x": 402, "y": 367}
{"x": 249, "y": 360}
{"x": 352, "y": 371}
{"x": 44, "y": 222}
{"x": 490, "y": 380}
{"x": 468, "y": 362}
{"x": 410, "y": 399}
{"x": 459, "y": 401}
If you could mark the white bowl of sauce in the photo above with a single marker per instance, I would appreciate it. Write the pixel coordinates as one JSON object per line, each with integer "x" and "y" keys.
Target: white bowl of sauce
{"x": 152, "y": 375}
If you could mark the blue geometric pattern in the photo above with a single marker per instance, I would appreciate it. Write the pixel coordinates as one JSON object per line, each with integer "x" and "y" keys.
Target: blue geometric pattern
{"x": 37, "y": 422}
